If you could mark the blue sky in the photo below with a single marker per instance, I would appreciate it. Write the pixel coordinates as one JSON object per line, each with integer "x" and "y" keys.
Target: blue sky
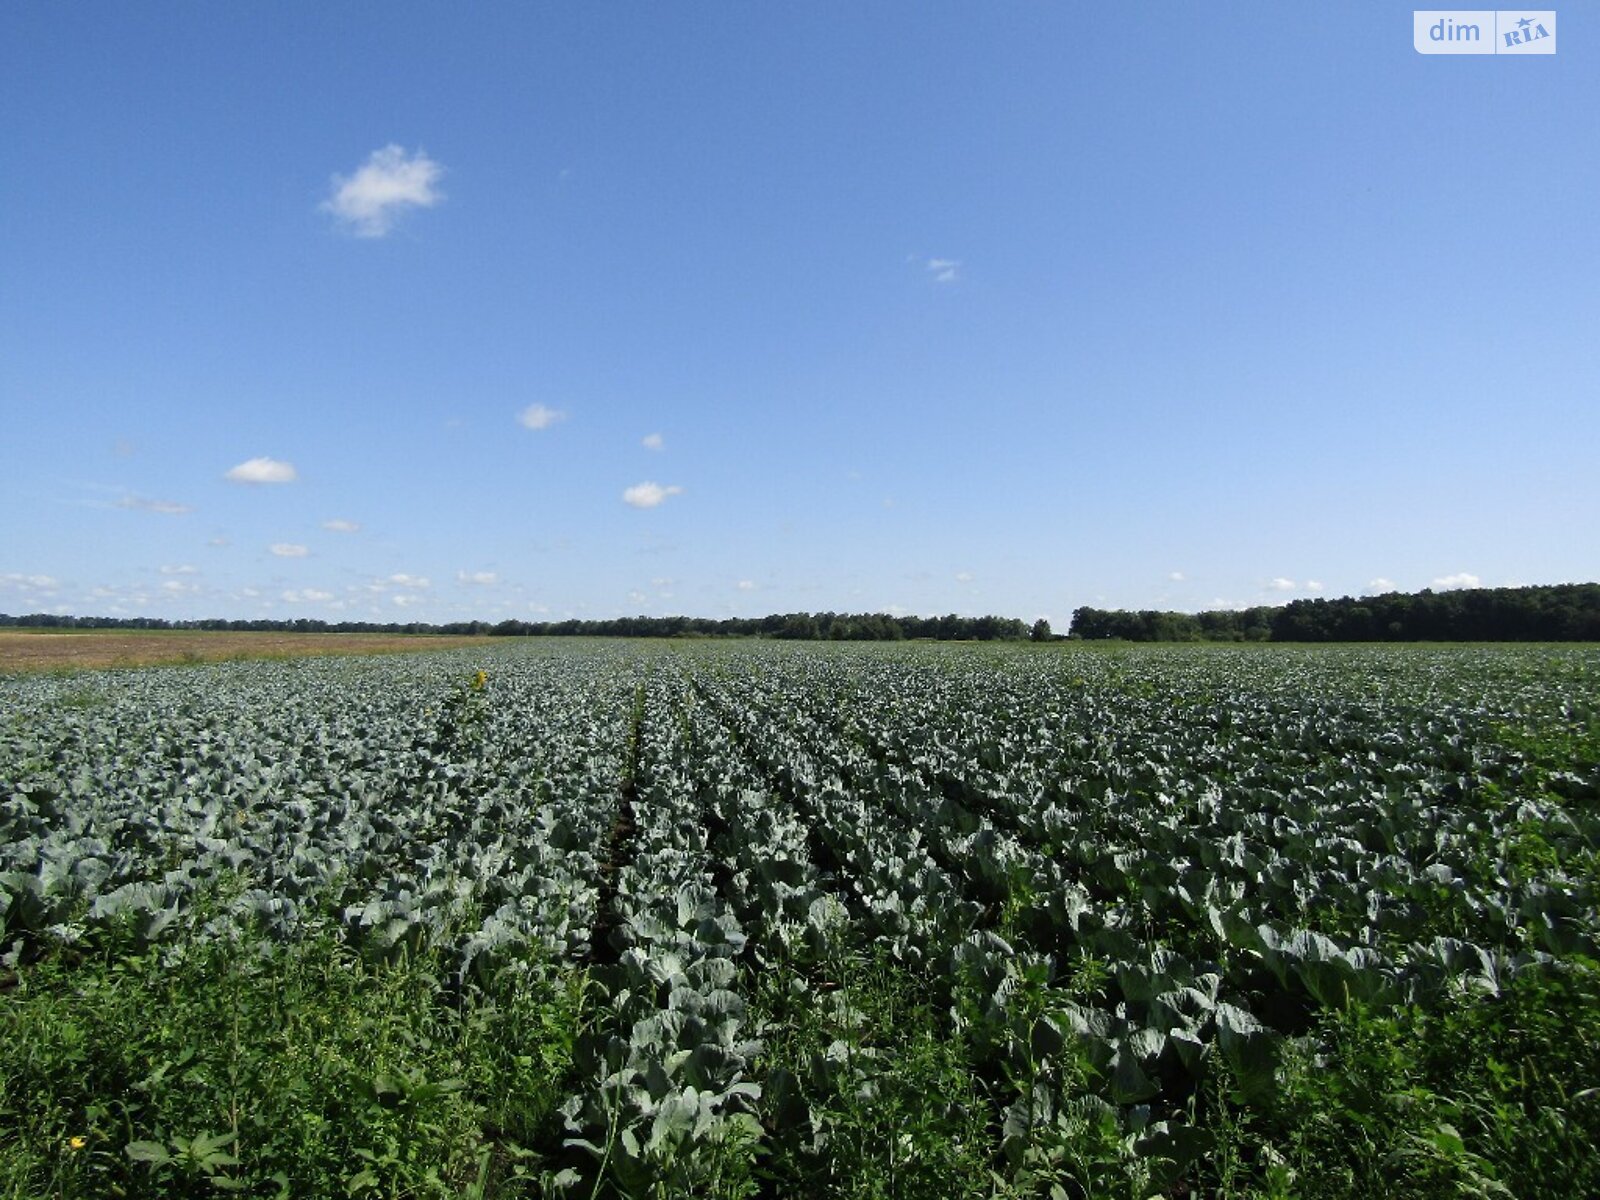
{"x": 367, "y": 311}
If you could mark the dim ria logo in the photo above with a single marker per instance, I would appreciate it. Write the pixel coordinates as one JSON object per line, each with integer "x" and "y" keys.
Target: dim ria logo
{"x": 1485, "y": 31}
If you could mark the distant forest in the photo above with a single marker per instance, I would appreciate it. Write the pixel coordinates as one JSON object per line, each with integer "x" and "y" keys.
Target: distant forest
{"x": 1568, "y": 612}
{"x": 810, "y": 627}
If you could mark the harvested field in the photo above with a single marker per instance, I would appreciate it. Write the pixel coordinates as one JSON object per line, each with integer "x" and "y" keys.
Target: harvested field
{"x": 91, "y": 649}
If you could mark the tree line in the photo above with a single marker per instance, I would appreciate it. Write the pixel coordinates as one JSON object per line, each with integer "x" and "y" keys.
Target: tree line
{"x": 811, "y": 627}
{"x": 1568, "y": 612}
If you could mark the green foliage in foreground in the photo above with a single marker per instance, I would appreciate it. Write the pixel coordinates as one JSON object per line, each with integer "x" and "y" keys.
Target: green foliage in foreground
{"x": 276, "y": 1069}
{"x": 1484, "y": 1096}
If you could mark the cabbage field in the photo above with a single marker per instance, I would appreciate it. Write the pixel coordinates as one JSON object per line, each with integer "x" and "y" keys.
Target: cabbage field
{"x": 769, "y": 919}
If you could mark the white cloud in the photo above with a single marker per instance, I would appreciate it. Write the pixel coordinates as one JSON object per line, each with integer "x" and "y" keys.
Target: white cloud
{"x": 219, "y": 540}
{"x": 340, "y": 525}
{"x": 648, "y": 494}
{"x": 1177, "y": 576}
{"x": 29, "y": 582}
{"x": 537, "y": 416}
{"x": 944, "y": 270}
{"x": 408, "y": 581}
{"x": 1313, "y": 585}
{"x": 653, "y": 441}
{"x": 1280, "y": 584}
{"x": 179, "y": 586}
{"x": 746, "y": 585}
{"x": 965, "y": 576}
{"x": 182, "y": 569}
{"x": 636, "y": 597}
{"x": 288, "y": 550}
{"x": 170, "y": 508}
{"x": 1450, "y": 583}
{"x": 370, "y": 201}
{"x": 1380, "y": 585}
{"x": 306, "y": 596}
{"x": 479, "y": 577}
{"x": 402, "y": 601}
{"x": 263, "y": 470}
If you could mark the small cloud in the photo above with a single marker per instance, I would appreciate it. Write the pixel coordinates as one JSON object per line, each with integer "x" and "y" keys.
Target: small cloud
{"x": 965, "y": 576}
{"x": 143, "y": 504}
{"x": 746, "y": 585}
{"x": 537, "y": 416}
{"x": 1177, "y": 576}
{"x": 179, "y": 586}
{"x": 402, "y": 601}
{"x": 484, "y": 578}
{"x": 340, "y": 525}
{"x": 219, "y": 540}
{"x": 1280, "y": 584}
{"x": 180, "y": 569}
{"x": 263, "y": 470}
{"x": 288, "y": 550}
{"x": 1313, "y": 585}
{"x": 389, "y": 182}
{"x": 943, "y": 270}
{"x": 306, "y": 596}
{"x": 1450, "y": 583}
{"x": 30, "y": 582}
{"x": 653, "y": 441}
{"x": 661, "y": 581}
{"x": 648, "y": 494}
{"x": 636, "y": 597}
{"x": 408, "y": 581}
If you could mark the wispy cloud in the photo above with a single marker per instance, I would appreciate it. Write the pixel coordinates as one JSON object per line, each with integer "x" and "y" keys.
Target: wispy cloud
{"x": 262, "y": 470}
{"x": 1177, "y": 576}
{"x": 484, "y": 578}
{"x": 340, "y": 525}
{"x": 1280, "y": 584}
{"x": 648, "y": 494}
{"x": 30, "y": 582}
{"x": 369, "y": 202}
{"x": 965, "y": 576}
{"x": 1450, "y": 583}
{"x": 408, "y": 581}
{"x": 306, "y": 596}
{"x": 288, "y": 550}
{"x": 180, "y": 569}
{"x": 179, "y": 586}
{"x": 944, "y": 270}
{"x": 537, "y": 416}
{"x": 653, "y": 441}
{"x": 746, "y": 585}
{"x": 1380, "y": 585}
{"x": 169, "y": 508}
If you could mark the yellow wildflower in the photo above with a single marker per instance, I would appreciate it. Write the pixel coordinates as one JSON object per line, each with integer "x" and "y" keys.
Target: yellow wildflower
{"x": 77, "y": 1143}
{"x": 478, "y": 680}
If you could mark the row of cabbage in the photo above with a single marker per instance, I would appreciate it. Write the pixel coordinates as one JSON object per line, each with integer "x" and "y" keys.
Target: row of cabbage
{"x": 1244, "y": 839}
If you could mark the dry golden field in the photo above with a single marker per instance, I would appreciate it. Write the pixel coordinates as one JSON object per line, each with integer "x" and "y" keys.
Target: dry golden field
{"x": 90, "y": 649}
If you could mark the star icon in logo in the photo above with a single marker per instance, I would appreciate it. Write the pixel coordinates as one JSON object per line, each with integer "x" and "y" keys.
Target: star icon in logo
{"x": 1525, "y": 22}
